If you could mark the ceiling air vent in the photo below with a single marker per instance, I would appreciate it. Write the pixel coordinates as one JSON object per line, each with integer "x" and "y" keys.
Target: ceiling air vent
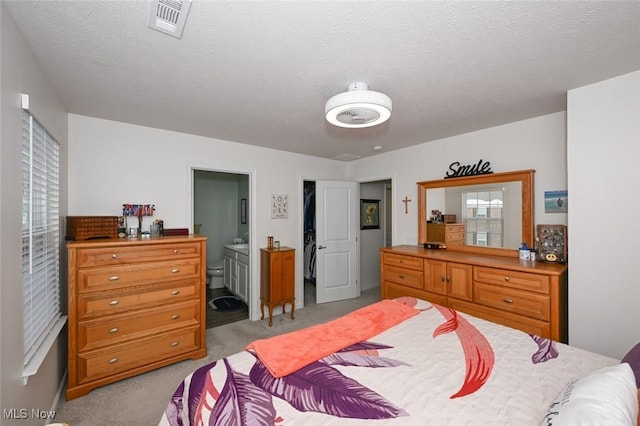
{"x": 169, "y": 16}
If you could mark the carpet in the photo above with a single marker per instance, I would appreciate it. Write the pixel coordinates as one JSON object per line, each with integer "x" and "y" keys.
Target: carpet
{"x": 226, "y": 304}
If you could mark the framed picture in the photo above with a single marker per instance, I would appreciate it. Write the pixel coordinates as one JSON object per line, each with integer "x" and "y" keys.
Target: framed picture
{"x": 369, "y": 214}
{"x": 279, "y": 206}
{"x": 556, "y": 202}
{"x": 243, "y": 211}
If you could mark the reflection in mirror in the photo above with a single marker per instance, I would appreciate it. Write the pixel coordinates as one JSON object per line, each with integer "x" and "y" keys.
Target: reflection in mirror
{"x": 491, "y": 212}
{"x": 485, "y": 215}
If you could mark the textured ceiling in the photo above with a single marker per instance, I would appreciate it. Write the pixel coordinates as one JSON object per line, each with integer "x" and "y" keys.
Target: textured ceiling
{"x": 260, "y": 72}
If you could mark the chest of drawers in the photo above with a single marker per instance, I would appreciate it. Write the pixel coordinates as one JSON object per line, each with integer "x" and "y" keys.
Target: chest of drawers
{"x": 528, "y": 296}
{"x": 134, "y": 306}
{"x": 448, "y": 233}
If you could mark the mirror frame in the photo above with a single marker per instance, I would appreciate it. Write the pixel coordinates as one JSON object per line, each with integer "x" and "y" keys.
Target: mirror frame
{"x": 525, "y": 177}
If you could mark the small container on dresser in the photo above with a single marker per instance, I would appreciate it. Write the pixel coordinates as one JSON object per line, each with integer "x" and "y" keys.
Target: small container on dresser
{"x": 134, "y": 306}
{"x": 277, "y": 279}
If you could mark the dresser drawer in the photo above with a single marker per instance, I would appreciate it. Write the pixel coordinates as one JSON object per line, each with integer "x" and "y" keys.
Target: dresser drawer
{"x": 454, "y": 236}
{"x": 513, "y": 279}
{"x": 89, "y": 257}
{"x": 406, "y": 277}
{"x": 115, "y": 277}
{"x": 410, "y": 262}
{"x": 520, "y": 302}
{"x": 454, "y": 228}
{"x": 91, "y": 305}
{"x": 121, "y": 358}
{"x": 102, "y": 332}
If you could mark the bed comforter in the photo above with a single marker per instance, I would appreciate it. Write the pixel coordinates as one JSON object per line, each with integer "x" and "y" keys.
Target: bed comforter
{"x": 438, "y": 367}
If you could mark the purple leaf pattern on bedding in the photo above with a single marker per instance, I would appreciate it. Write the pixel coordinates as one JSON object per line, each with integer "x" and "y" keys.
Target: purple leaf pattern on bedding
{"x": 242, "y": 403}
{"x": 546, "y": 349}
{"x": 174, "y": 408}
{"x": 196, "y": 390}
{"x": 321, "y": 388}
{"x": 365, "y": 346}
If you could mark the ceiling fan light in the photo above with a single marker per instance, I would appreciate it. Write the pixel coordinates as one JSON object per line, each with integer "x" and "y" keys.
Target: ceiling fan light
{"x": 358, "y": 107}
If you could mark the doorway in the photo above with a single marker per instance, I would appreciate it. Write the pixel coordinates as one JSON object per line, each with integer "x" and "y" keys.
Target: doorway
{"x": 221, "y": 213}
{"x": 369, "y": 240}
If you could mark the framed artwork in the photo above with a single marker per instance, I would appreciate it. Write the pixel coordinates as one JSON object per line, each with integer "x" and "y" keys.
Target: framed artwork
{"x": 279, "y": 206}
{"x": 556, "y": 202}
{"x": 243, "y": 211}
{"x": 369, "y": 214}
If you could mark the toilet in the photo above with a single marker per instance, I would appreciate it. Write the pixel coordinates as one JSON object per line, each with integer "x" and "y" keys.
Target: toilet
{"x": 215, "y": 275}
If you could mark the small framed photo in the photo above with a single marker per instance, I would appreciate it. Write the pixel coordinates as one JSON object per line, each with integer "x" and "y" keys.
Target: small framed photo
{"x": 556, "y": 202}
{"x": 369, "y": 214}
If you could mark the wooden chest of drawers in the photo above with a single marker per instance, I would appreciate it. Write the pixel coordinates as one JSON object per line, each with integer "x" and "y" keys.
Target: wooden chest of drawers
{"x": 528, "y": 296}
{"x": 134, "y": 306}
{"x": 448, "y": 233}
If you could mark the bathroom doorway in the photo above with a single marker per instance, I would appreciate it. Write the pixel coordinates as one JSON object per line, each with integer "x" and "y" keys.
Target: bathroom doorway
{"x": 221, "y": 213}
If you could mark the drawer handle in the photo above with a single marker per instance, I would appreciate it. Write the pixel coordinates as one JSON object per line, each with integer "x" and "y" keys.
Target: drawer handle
{"x": 448, "y": 279}
{"x": 114, "y": 330}
{"x": 442, "y": 278}
{"x": 114, "y": 302}
{"x": 175, "y": 251}
{"x": 402, "y": 261}
{"x": 401, "y": 276}
{"x": 175, "y": 270}
{"x": 174, "y": 344}
{"x": 113, "y": 360}
{"x": 176, "y": 316}
{"x": 114, "y": 255}
{"x": 114, "y": 278}
{"x": 507, "y": 278}
{"x": 507, "y": 300}
{"x": 175, "y": 292}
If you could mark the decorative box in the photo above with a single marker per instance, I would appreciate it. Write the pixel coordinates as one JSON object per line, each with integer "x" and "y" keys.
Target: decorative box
{"x": 88, "y": 227}
{"x": 552, "y": 243}
{"x": 449, "y": 218}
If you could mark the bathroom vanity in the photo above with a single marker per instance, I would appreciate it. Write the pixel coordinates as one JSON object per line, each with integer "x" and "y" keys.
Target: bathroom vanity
{"x": 236, "y": 270}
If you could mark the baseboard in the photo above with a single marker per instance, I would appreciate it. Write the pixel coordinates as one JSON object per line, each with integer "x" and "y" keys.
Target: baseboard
{"x": 60, "y": 393}
{"x": 370, "y": 286}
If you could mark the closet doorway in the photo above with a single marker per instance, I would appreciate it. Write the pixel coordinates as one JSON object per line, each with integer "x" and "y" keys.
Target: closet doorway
{"x": 369, "y": 240}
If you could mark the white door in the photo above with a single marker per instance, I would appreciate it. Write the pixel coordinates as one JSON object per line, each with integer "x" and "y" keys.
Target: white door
{"x": 337, "y": 228}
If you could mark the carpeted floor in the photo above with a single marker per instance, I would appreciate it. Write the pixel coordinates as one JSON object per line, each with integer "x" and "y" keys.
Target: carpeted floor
{"x": 141, "y": 400}
{"x": 217, "y": 318}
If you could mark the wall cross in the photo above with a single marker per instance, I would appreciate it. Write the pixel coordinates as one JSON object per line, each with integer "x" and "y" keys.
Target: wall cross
{"x": 406, "y": 202}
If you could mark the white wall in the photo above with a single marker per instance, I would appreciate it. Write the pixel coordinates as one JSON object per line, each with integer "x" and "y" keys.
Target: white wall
{"x": 111, "y": 163}
{"x": 538, "y": 143}
{"x": 604, "y": 193}
{"x": 22, "y": 74}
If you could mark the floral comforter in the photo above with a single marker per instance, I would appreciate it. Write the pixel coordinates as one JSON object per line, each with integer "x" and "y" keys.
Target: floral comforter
{"x": 438, "y": 367}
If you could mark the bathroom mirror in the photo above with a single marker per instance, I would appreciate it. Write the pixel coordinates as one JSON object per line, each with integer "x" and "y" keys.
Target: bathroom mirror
{"x": 498, "y": 211}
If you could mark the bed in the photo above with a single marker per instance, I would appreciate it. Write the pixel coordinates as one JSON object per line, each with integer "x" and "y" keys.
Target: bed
{"x": 407, "y": 361}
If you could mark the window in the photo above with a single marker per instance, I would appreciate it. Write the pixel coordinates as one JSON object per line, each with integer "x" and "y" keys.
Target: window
{"x": 40, "y": 240}
{"x": 482, "y": 217}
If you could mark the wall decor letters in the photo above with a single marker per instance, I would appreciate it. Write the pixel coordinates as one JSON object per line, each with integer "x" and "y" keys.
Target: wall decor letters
{"x": 458, "y": 170}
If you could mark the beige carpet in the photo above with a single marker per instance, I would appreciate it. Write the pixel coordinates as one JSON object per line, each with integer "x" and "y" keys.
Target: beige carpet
{"x": 141, "y": 400}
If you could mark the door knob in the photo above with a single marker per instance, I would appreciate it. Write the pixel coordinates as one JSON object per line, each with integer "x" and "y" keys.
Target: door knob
{"x": 320, "y": 247}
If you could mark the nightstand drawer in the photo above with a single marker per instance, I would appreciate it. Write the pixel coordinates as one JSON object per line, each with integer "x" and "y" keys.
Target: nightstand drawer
{"x": 532, "y": 305}
{"x": 403, "y": 261}
{"x": 512, "y": 279}
{"x": 111, "y": 278}
{"x": 103, "y": 332}
{"x": 91, "y": 305}
{"x": 89, "y": 257}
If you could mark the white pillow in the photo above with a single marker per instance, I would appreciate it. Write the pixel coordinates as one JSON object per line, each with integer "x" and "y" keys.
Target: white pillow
{"x": 608, "y": 396}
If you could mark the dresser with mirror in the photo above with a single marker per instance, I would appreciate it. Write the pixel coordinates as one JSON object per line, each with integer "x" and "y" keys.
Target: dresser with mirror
{"x": 483, "y": 275}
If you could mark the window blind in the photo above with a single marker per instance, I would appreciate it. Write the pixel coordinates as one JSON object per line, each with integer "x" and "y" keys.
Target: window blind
{"x": 40, "y": 233}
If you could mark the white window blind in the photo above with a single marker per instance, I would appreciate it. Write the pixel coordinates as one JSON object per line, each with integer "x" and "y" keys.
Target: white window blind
{"x": 40, "y": 234}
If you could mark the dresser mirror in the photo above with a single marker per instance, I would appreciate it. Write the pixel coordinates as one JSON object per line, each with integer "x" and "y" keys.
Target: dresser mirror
{"x": 498, "y": 212}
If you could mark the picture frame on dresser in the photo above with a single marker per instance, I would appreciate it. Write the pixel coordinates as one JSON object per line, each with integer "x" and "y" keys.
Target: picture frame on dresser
{"x": 369, "y": 214}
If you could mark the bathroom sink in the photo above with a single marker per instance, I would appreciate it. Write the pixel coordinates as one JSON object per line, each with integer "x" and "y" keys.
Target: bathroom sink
{"x": 241, "y": 248}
